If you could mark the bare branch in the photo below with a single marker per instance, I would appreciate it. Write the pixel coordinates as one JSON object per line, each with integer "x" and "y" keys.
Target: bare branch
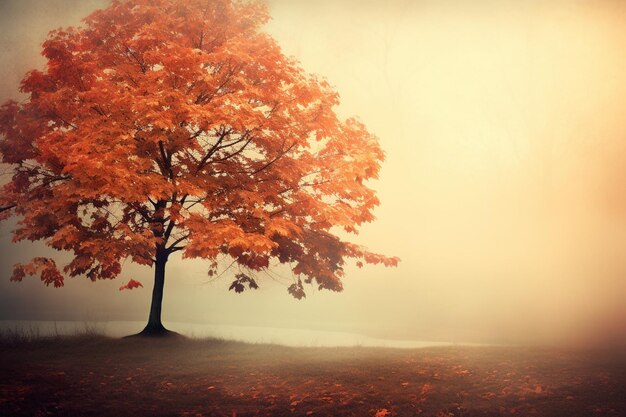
{"x": 177, "y": 241}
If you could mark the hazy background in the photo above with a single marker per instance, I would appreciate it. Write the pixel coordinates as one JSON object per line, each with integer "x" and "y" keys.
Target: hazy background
{"x": 504, "y": 188}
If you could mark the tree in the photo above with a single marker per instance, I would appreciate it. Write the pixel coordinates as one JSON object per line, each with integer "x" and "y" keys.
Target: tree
{"x": 168, "y": 125}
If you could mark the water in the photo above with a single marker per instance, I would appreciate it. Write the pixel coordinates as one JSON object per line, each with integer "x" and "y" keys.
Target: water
{"x": 274, "y": 335}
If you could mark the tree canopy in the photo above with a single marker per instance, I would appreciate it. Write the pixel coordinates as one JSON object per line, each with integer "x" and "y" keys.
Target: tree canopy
{"x": 166, "y": 125}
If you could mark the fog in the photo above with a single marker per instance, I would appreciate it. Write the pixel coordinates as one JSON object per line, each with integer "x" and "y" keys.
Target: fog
{"x": 503, "y": 191}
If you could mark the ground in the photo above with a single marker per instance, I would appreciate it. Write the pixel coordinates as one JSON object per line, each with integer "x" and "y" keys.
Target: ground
{"x": 92, "y": 375}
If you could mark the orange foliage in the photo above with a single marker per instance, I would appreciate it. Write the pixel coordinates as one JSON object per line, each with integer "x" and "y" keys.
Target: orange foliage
{"x": 131, "y": 284}
{"x": 169, "y": 125}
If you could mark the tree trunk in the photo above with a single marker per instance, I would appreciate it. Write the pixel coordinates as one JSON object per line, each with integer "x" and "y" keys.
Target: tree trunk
{"x": 155, "y": 326}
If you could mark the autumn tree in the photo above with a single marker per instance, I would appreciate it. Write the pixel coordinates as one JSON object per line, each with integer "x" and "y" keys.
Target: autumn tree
{"x": 168, "y": 125}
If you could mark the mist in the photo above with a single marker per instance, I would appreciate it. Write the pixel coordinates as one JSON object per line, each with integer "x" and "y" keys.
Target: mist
{"x": 503, "y": 190}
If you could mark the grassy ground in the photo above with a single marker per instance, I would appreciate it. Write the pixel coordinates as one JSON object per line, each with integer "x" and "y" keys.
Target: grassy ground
{"x": 96, "y": 376}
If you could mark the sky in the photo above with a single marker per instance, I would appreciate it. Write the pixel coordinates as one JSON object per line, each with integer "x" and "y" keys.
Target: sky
{"x": 503, "y": 190}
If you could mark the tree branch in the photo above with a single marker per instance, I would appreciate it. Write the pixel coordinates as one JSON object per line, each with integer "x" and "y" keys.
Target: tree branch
{"x": 269, "y": 163}
{"x": 5, "y": 208}
{"x": 211, "y": 151}
{"x": 177, "y": 241}
{"x": 237, "y": 152}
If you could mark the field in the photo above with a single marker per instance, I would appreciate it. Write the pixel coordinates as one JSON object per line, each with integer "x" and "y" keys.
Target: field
{"x": 92, "y": 375}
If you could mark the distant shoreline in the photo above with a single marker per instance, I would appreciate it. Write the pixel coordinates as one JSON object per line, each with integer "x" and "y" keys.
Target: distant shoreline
{"x": 250, "y": 334}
